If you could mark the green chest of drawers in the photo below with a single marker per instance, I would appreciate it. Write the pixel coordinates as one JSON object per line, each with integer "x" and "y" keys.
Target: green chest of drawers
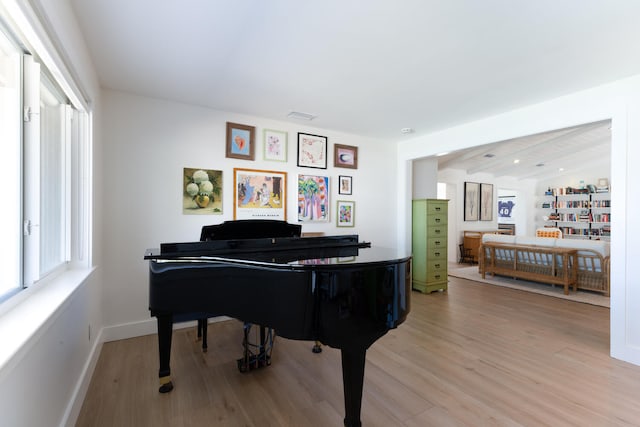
{"x": 429, "y": 245}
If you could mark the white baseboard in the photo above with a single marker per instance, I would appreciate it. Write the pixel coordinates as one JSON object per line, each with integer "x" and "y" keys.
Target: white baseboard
{"x": 74, "y": 406}
{"x": 107, "y": 334}
{"x": 125, "y": 331}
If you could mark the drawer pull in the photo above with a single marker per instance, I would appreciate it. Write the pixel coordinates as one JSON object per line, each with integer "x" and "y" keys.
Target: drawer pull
{"x": 436, "y": 253}
{"x": 437, "y": 219}
{"x": 437, "y": 265}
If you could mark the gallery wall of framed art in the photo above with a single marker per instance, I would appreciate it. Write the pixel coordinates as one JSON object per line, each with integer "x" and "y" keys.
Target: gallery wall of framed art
{"x": 264, "y": 192}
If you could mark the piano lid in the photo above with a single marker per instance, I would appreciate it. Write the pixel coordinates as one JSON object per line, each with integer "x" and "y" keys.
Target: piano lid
{"x": 237, "y": 246}
{"x": 294, "y": 251}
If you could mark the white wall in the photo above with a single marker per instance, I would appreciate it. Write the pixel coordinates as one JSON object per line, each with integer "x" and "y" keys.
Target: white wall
{"x": 148, "y": 142}
{"x": 425, "y": 178}
{"x": 619, "y": 101}
{"x": 457, "y": 178}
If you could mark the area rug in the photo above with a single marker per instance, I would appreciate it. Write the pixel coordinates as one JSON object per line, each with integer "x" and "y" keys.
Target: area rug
{"x": 471, "y": 273}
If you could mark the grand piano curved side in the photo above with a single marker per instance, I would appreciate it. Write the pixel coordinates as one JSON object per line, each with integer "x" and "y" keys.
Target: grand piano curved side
{"x": 332, "y": 289}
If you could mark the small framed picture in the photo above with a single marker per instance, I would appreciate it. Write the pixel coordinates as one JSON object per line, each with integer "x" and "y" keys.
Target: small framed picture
{"x": 240, "y": 141}
{"x": 312, "y": 151}
{"x": 345, "y": 156}
{"x": 275, "y": 145}
{"x": 346, "y": 213}
{"x": 344, "y": 184}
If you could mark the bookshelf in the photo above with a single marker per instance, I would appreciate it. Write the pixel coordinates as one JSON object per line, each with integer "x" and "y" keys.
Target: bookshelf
{"x": 579, "y": 214}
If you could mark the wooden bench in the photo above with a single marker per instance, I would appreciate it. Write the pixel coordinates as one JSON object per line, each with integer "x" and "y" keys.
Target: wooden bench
{"x": 546, "y": 264}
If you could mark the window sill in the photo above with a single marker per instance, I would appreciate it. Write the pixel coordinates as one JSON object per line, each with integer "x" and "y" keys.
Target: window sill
{"x": 24, "y": 314}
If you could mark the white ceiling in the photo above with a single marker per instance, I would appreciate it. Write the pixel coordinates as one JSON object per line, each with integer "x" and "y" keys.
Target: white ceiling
{"x": 543, "y": 156}
{"x": 365, "y": 67}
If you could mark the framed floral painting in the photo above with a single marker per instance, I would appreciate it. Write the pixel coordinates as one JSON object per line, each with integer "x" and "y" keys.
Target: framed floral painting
{"x": 201, "y": 191}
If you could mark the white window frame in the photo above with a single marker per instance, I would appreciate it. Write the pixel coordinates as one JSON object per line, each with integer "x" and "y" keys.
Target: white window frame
{"x": 73, "y": 249}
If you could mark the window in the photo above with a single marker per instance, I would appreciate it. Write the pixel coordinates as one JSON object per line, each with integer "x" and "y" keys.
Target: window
{"x": 44, "y": 163}
{"x": 10, "y": 160}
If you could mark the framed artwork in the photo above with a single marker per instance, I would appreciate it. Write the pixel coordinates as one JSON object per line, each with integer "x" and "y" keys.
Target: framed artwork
{"x": 259, "y": 194}
{"x": 240, "y": 141}
{"x": 275, "y": 145}
{"x": 486, "y": 202}
{"x": 346, "y": 213}
{"x": 345, "y": 156}
{"x": 344, "y": 184}
{"x": 471, "y": 201}
{"x": 313, "y": 198}
{"x": 201, "y": 191}
{"x": 312, "y": 151}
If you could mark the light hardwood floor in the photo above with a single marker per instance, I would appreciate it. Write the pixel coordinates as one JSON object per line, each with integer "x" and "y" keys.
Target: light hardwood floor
{"x": 476, "y": 355}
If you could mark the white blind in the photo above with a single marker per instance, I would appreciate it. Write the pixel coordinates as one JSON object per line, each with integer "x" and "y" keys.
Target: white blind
{"x": 10, "y": 166}
{"x": 53, "y": 183}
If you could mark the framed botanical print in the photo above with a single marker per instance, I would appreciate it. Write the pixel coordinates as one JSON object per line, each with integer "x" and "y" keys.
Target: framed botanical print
{"x": 259, "y": 194}
{"x": 240, "y": 141}
{"x": 471, "y": 201}
{"x": 275, "y": 145}
{"x": 312, "y": 151}
{"x": 486, "y": 202}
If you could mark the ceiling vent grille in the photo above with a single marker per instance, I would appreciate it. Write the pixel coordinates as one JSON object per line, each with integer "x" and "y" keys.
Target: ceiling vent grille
{"x": 301, "y": 116}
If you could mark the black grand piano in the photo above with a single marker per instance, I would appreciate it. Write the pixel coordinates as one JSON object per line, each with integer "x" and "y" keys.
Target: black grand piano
{"x": 334, "y": 289}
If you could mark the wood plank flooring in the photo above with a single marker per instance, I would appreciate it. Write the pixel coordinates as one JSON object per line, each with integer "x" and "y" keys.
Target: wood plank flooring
{"x": 476, "y": 355}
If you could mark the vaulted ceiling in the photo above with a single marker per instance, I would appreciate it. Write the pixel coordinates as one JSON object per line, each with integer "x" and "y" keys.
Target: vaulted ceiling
{"x": 541, "y": 156}
{"x": 365, "y": 67}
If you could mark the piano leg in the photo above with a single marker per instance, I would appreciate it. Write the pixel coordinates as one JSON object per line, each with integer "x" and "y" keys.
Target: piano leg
{"x": 165, "y": 330}
{"x": 353, "y": 361}
{"x": 202, "y": 333}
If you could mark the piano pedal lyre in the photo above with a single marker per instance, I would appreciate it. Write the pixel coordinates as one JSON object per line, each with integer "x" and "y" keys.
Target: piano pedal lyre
{"x": 256, "y": 355}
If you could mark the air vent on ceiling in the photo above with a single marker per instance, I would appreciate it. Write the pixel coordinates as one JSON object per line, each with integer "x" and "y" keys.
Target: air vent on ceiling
{"x": 301, "y": 116}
